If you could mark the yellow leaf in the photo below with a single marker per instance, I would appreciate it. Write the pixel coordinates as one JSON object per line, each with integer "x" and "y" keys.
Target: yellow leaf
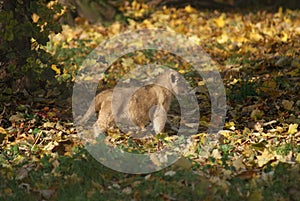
{"x": 226, "y": 133}
{"x": 255, "y": 36}
{"x": 280, "y": 11}
{"x": 189, "y": 9}
{"x": 57, "y": 70}
{"x": 279, "y": 129}
{"x": 292, "y": 128}
{"x": 230, "y": 125}
{"x": 49, "y": 124}
{"x": 115, "y": 28}
{"x": 264, "y": 158}
{"x": 201, "y": 83}
{"x": 285, "y": 37}
{"x": 298, "y": 158}
{"x": 220, "y": 20}
{"x": 181, "y": 71}
{"x": 223, "y": 39}
{"x": 2, "y": 130}
{"x": 235, "y": 81}
{"x": 35, "y": 17}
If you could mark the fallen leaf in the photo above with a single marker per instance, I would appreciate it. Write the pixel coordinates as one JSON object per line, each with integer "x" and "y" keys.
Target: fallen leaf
{"x": 183, "y": 163}
{"x": 292, "y": 129}
{"x": 264, "y": 158}
{"x": 238, "y": 164}
{"x": 35, "y": 17}
{"x": 2, "y": 130}
{"x": 216, "y": 154}
{"x": 190, "y": 9}
{"x": 49, "y": 124}
{"x": 257, "y": 114}
{"x": 220, "y": 20}
{"x": 17, "y": 117}
{"x": 269, "y": 88}
{"x": 288, "y": 105}
{"x": 170, "y": 173}
{"x": 127, "y": 190}
{"x": 248, "y": 174}
{"x": 57, "y": 70}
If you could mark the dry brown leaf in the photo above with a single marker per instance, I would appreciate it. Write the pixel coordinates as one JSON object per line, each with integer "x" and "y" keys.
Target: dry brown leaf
{"x": 288, "y": 105}
{"x": 238, "y": 164}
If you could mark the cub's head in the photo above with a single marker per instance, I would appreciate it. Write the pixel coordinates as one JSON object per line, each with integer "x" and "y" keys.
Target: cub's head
{"x": 173, "y": 81}
{"x": 177, "y": 83}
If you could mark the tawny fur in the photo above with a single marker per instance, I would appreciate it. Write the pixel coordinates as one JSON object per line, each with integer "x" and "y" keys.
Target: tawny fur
{"x": 149, "y": 102}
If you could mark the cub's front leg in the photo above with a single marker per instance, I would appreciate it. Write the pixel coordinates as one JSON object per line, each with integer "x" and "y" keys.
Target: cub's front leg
{"x": 159, "y": 119}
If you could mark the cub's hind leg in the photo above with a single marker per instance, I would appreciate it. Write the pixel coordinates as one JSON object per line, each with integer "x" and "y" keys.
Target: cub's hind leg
{"x": 105, "y": 115}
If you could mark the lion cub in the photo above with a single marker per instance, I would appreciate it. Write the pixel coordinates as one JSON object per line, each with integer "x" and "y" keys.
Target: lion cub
{"x": 137, "y": 106}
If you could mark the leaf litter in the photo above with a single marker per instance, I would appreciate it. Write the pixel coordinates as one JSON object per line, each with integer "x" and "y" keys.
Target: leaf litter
{"x": 258, "y": 56}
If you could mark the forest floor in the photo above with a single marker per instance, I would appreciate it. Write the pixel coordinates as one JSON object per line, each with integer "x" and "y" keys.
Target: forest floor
{"x": 256, "y": 156}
